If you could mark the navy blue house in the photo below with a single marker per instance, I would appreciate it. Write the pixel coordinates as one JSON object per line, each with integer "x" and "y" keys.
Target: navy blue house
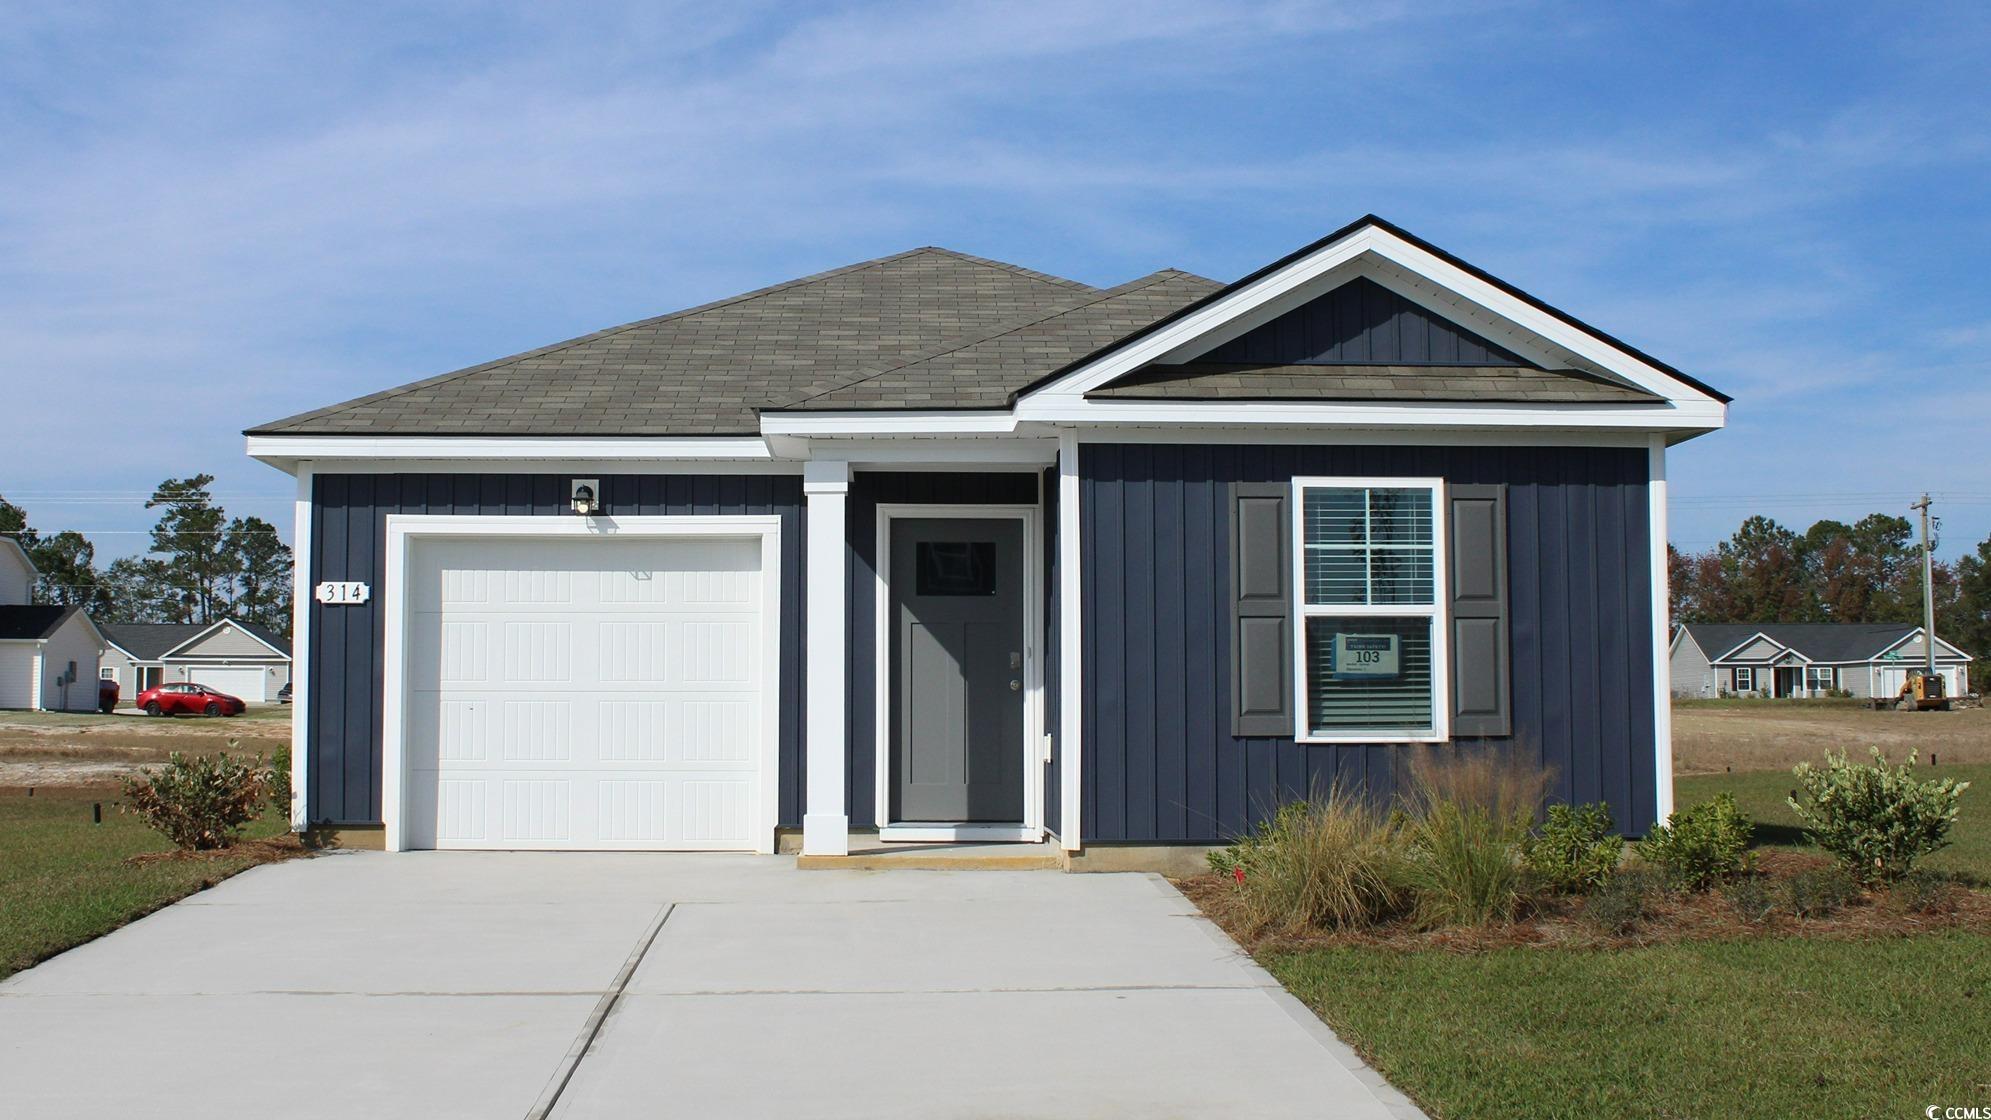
{"x": 943, "y": 548}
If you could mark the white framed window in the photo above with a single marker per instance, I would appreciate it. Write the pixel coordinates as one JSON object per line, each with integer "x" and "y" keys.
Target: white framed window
{"x": 107, "y": 673}
{"x": 1745, "y": 679}
{"x": 1369, "y": 575}
{"x": 1820, "y": 678}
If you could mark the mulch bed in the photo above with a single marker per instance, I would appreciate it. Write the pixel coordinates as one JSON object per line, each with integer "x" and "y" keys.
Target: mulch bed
{"x": 269, "y": 849}
{"x": 1553, "y": 922}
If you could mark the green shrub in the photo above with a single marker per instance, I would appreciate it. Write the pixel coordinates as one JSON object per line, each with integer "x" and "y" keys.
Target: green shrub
{"x": 1818, "y": 892}
{"x": 279, "y": 780}
{"x": 1621, "y": 901}
{"x": 1468, "y": 817}
{"x": 1575, "y": 849}
{"x": 1750, "y": 898}
{"x": 1924, "y": 892}
{"x": 1701, "y": 845}
{"x": 1330, "y": 862}
{"x": 1877, "y": 819}
{"x": 199, "y": 803}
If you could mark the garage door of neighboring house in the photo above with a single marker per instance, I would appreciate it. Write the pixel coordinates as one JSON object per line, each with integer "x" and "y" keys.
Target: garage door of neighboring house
{"x": 239, "y": 681}
{"x": 584, "y": 693}
{"x": 1891, "y": 680}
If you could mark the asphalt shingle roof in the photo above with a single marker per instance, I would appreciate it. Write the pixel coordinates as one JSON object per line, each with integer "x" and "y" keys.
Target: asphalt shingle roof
{"x": 988, "y": 372}
{"x": 147, "y": 641}
{"x": 1836, "y": 642}
{"x": 709, "y": 369}
{"x": 31, "y": 622}
{"x": 1213, "y": 381}
{"x": 926, "y": 329}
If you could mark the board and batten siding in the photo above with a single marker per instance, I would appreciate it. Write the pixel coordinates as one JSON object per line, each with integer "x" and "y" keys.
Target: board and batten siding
{"x": 869, "y": 490}
{"x": 348, "y": 542}
{"x": 1160, "y": 764}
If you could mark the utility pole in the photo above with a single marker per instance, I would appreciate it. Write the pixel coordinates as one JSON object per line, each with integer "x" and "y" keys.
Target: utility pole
{"x": 1928, "y": 590}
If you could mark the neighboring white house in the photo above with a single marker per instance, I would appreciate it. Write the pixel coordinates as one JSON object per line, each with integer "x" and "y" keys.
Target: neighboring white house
{"x": 1806, "y": 659}
{"x": 48, "y": 654}
{"x": 233, "y": 656}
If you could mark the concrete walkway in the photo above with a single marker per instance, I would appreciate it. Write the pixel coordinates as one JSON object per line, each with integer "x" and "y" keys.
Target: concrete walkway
{"x": 599, "y": 985}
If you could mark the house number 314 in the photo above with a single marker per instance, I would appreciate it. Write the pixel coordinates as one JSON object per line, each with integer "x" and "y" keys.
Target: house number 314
{"x": 342, "y": 592}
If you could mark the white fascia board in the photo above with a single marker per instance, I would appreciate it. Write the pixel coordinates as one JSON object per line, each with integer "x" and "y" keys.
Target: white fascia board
{"x": 1911, "y": 636}
{"x": 988, "y": 451}
{"x": 911, "y": 423}
{"x": 1335, "y": 263}
{"x": 1372, "y": 437}
{"x": 285, "y": 451}
{"x": 1409, "y": 417}
{"x": 34, "y": 573}
{"x": 216, "y": 625}
{"x": 1750, "y": 640}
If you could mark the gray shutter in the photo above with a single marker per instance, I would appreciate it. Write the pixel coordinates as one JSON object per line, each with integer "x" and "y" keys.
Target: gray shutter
{"x": 1261, "y": 610}
{"x": 1482, "y": 692}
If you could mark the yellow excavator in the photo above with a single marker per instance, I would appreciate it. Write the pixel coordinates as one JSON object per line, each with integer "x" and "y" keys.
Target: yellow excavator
{"x": 1922, "y": 692}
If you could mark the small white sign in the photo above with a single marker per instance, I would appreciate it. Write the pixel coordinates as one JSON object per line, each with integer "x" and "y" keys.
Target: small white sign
{"x": 339, "y": 593}
{"x": 1365, "y": 655}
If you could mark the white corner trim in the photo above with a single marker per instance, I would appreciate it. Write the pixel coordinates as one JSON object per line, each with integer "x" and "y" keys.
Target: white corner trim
{"x": 1439, "y": 611}
{"x": 1662, "y": 662}
{"x": 1069, "y": 743}
{"x": 301, "y": 572}
{"x": 1031, "y": 827}
{"x": 825, "y": 816}
{"x": 403, "y": 531}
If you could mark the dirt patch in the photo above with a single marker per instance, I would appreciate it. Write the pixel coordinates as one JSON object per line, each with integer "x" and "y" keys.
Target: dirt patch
{"x": 1555, "y": 922}
{"x": 1776, "y": 736}
{"x": 44, "y": 749}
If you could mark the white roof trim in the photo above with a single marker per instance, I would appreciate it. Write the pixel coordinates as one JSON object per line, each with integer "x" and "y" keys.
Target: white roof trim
{"x": 217, "y": 624}
{"x": 1911, "y": 636}
{"x": 1414, "y": 272}
{"x": 1751, "y": 640}
{"x": 284, "y": 452}
{"x": 34, "y": 573}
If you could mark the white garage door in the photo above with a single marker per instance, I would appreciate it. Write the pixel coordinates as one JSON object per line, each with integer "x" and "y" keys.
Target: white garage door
{"x": 1892, "y": 679}
{"x": 575, "y": 693}
{"x": 17, "y": 675}
{"x": 242, "y": 683}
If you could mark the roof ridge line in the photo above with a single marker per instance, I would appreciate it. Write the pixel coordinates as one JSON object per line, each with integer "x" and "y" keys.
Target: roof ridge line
{"x": 1099, "y": 295}
{"x": 605, "y": 332}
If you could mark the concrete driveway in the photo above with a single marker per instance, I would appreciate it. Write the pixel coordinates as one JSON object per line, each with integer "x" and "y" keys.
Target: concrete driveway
{"x": 607, "y": 985}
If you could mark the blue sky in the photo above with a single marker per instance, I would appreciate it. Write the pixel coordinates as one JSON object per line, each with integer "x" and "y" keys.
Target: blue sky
{"x": 212, "y": 216}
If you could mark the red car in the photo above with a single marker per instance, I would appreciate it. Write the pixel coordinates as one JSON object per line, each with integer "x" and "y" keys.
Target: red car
{"x": 173, "y": 699}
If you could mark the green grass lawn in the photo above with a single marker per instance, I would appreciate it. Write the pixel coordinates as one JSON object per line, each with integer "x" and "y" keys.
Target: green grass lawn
{"x": 1761, "y": 795}
{"x": 1737, "y": 1029}
{"x": 1770, "y": 1027}
{"x": 64, "y": 880}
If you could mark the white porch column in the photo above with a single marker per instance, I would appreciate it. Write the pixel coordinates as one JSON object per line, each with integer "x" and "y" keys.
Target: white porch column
{"x": 1662, "y": 607}
{"x": 825, "y": 817}
{"x": 1071, "y": 681}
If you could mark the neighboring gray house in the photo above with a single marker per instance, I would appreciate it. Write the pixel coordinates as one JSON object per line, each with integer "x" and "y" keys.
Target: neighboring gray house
{"x": 942, "y": 548}
{"x": 233, "y": 656}
{"x": 1783, "y": 660}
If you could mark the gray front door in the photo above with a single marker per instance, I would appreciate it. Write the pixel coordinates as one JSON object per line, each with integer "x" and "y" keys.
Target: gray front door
{"x": 957, "y": 670}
